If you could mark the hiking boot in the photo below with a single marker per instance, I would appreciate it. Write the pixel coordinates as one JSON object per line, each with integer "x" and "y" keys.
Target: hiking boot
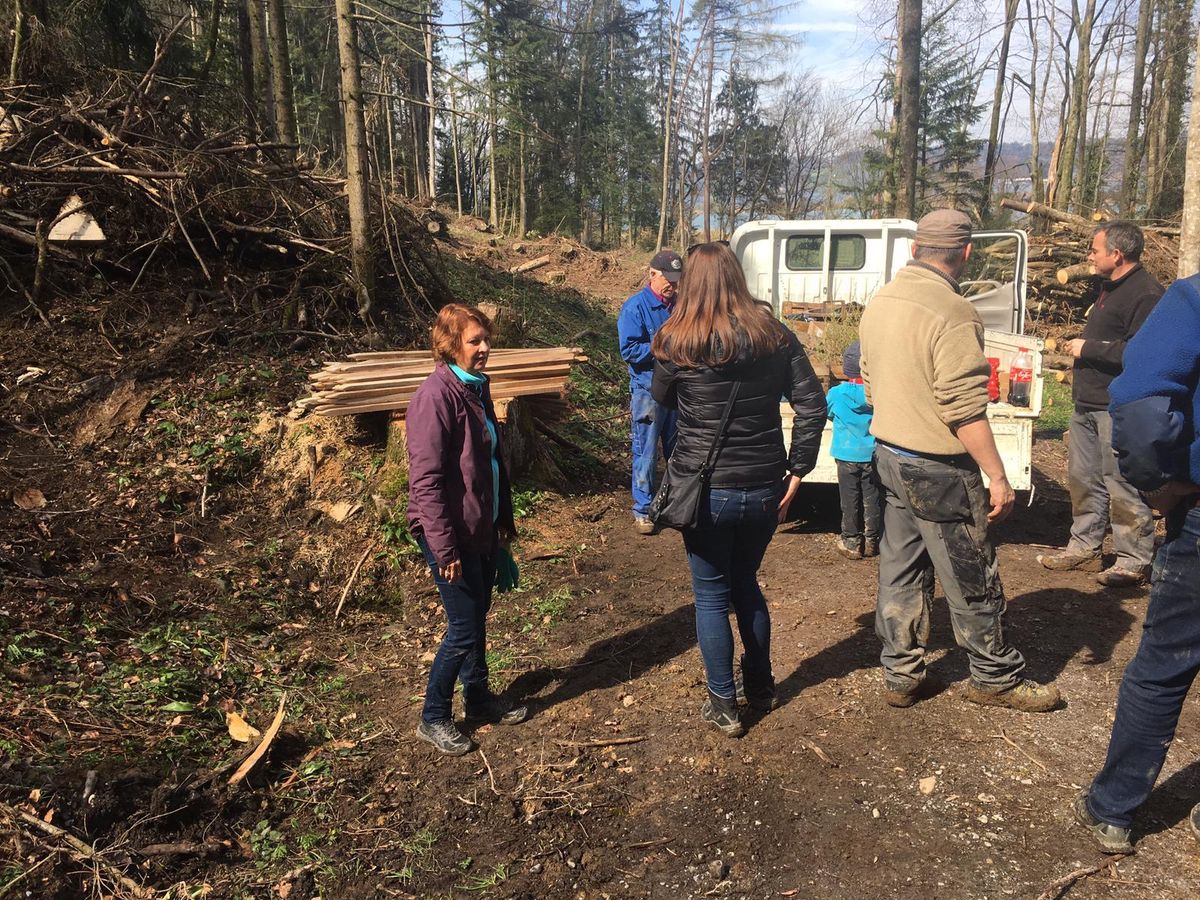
{"x": 1111, "y": 838}
{"x": 848, "y": 549}
{"x": 1025, "y": 696}
{"x": 1120, "y": 577}
{"x": 758, "y": 695}
{"x": 1194, "y": 821}
{"x": 498, "y": 710}
{"x": 445, "y": 737}
{"x": 1078, "y": 560}
{"x": 724, "y": 714}
{"x": 870, "y": 548}
{"x": 903, "y": 695}
{"x": 643, "y": 525}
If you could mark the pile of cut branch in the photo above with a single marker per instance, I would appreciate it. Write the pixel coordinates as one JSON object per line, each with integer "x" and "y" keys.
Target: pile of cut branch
{"x": 238, "y": 216}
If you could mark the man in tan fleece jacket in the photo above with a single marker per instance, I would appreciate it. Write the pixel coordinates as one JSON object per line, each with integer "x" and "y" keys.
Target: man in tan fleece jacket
{"x": 925, "y": 372}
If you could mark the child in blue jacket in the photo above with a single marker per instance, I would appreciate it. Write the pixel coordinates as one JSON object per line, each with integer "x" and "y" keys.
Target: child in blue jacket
{"x": 854, "y": 448}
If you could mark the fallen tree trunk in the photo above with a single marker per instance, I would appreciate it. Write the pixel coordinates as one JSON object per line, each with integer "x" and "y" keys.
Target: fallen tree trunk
{"x": 532, "y": 264}
{"x": 1048, "y": 212}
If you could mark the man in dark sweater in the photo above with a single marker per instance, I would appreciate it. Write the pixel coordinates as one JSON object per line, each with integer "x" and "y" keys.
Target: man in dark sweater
{"x": 1126, "y": 299}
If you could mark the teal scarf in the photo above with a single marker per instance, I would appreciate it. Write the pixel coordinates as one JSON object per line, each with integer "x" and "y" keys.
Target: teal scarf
{"x": 476, "y": 383}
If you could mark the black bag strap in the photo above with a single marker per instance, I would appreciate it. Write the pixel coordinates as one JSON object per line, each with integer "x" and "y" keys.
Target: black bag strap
{"x": 710, "y": 462}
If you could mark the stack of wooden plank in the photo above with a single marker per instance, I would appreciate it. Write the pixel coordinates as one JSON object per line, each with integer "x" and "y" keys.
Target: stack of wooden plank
{"x": 375, "y": 382}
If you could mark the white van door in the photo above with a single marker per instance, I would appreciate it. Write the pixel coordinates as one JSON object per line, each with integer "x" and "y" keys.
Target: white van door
{"x": 994, "y": 279}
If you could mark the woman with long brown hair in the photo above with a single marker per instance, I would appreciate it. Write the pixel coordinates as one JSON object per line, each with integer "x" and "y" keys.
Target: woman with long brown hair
{"x": 720, "y": 340}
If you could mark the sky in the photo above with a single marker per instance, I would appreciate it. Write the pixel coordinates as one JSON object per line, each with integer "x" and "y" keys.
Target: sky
{"x": 838, "y": 43}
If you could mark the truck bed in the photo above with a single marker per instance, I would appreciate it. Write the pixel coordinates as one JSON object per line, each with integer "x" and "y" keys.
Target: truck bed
{"x": 1011, "y": 425}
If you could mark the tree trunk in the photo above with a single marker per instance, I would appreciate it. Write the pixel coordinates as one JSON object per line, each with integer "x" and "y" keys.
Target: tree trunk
{"x": 262, "y": 66}
{"x": 993, "y": 146}
{"x": 454, "y": 149}
{"x": 584, "y": 56}
{"x": 910, "y": 108}
{"x": 281, "y": 73}
{"x": 246, "y": 60}
{"x": 1189, "y": 233}
{"x": 706, "y": 124}
{"x": 1073, "y": 133}
{"x": 18, "y": 33}
{"x": 522, "y": 198}
{"x": 493, "y": 180}
{"x": 664, "y": 204}
{"x": 432, "y": 113}
{"x": 1134, "y": 143}
{"x": 210, "y": 39}
{"x": 361, "y": 258}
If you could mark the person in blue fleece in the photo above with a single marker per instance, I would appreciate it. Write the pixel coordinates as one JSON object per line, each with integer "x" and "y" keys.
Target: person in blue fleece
{"x": 651, "y": 424}
{"x": 1155, "y": 407}
{"x": 853, "y": 448}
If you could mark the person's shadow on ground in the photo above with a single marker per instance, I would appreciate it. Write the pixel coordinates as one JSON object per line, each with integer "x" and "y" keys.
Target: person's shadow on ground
{"x": 1050, "y": 627}
{"x": 611, "y": 661}
{"x": 1171, "y": 801}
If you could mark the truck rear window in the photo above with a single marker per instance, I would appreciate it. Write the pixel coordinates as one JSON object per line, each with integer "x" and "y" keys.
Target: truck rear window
{"x": 803, "y": 252}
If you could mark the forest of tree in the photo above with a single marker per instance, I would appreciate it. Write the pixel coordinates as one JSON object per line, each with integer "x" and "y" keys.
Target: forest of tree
{"x": 655, "y": 122}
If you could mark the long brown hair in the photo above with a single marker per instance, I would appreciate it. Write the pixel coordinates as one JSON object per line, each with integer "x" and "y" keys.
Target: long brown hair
{"x": 714, "y": 314}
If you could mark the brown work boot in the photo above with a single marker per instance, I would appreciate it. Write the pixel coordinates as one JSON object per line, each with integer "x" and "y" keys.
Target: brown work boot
{"x": 1025, "y": 696}
{"x": 1079, "y": 560}
{"x": 643, "y": 525}
{"x": 848, "y": 549}
{"x": 1120, "y": 577}
{"x": 903, "y": 696}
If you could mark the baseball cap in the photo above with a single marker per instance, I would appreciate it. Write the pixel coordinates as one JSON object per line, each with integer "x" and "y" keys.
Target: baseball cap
{"x": 669, "y": 263}
{"x": 944, "y": 229}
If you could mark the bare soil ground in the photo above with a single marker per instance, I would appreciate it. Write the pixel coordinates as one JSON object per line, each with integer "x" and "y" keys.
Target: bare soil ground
{"x": 186, "y": 563}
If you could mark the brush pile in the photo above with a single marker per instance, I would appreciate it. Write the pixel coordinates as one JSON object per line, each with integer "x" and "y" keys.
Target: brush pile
{"x": 252, "y": 220}
{"x": 376, "y": 382}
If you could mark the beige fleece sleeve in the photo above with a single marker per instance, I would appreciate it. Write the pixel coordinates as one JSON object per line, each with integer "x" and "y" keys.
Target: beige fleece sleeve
{"x": 960, "y": 373}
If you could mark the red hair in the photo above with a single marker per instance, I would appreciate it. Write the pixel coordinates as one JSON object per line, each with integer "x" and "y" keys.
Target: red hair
{"x": 448, "y": 329}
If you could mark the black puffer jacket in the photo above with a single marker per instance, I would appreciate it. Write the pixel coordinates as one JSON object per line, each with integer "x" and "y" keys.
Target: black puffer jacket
{"x": 752, "y": 452}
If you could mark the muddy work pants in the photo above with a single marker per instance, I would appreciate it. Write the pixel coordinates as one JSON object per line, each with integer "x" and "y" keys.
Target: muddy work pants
{"x": 1097, "y": 485}
{"x": 935, "y": 522}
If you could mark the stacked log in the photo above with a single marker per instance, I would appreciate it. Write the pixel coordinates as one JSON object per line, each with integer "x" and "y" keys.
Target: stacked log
{"x": 1061, "y": 285}
{"x": 377, "y": 382}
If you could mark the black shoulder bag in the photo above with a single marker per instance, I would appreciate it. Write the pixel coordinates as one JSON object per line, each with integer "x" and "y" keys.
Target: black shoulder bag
{"x": 677, "y": 503}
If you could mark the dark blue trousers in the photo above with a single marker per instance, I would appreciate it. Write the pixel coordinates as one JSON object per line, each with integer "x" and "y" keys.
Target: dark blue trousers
{"x": 724, "y": 554}
{"x": 463, "y": 653}
{"x": 1157, "y": 679}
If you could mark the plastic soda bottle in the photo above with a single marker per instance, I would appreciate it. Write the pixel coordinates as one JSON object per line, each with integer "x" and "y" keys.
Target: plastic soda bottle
{"x": 1020, "y": 378}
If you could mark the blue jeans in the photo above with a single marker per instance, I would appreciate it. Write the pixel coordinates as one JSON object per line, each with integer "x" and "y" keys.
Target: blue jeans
{"x": 1157, "y": 679}
{"x": 463, "y": 653}
{"x": 724, "y": 553}
{"x": 651, "y": 424}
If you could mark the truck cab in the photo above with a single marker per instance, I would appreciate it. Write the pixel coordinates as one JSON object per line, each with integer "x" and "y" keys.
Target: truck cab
{"x": 809, "y": 271}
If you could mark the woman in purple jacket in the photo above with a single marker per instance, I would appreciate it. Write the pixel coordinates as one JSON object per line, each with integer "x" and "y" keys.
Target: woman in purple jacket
{"x": 460, "y": 511}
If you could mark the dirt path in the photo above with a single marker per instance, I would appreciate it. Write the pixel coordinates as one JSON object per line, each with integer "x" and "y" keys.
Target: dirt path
{"x": 822, "y": 797}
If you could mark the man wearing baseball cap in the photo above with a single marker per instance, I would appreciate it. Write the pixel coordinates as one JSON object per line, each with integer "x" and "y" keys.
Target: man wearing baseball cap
{"x": 651, "y": 424}
{"x": 926, "y": 375}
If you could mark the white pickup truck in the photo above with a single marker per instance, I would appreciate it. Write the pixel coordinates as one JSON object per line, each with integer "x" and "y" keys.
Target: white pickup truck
{"x": 808, "y": 268}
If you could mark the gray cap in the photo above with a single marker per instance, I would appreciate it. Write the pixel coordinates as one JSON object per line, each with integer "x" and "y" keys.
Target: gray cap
{"x": 944, "y": 229}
